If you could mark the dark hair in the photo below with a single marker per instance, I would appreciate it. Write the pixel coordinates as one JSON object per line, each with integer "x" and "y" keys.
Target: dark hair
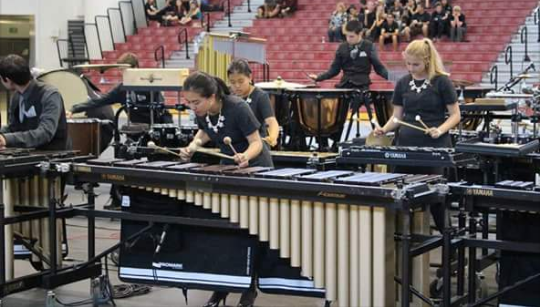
{"x": 206, "y": 85}
{"x": 239, "y": 66}
{"x": 16, "y": 69}
{"x": 354, "y": 26}
{"x": 128, "y": 58}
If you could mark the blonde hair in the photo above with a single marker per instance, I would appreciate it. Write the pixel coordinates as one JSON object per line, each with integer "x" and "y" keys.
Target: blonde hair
{"x": 425, "y": 50}
{"x": 457, "y": 8}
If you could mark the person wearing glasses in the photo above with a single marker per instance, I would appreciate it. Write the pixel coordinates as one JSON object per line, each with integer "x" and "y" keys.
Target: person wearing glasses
{"x": 355, "y": 58}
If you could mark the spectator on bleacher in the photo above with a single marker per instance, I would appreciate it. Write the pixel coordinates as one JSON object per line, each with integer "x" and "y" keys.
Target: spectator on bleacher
{"x": 170, "y": 13}
{"x": 447, "y": 8}
{"x": 287, "y": 7}
{"x": 353, "y": 14}
{"x": 194, "y": 13}
{"x": 370, "y": 15}
{"x": 439, "y": 22}
{"x": 152, "y": 12}
{"x": 380, "y": 18}
{"x": 410, "y": 8}
{"x": 389, "y": 32}
{"x": 458, "y": 27}
{"x": 419, "y": 23}
{"x": 337, "y": 20}
{"x": 397, "y": 10}
{"x": 269, "y": 9}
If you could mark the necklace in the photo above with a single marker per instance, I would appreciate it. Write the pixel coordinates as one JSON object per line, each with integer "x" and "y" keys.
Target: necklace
{"x": 419, "y": 89}
{"x": 248, "y": 99}
{"x": 219, "y": 123}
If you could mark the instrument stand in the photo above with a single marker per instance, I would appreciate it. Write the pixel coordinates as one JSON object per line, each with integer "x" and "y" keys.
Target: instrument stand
{"x": 363, "y": 97}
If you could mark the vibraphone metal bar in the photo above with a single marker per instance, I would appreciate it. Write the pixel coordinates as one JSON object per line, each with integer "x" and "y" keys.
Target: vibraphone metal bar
{"x": 204, "y": 185}
{"x": 515, "y": 196}
{"x": 40, "y": 193}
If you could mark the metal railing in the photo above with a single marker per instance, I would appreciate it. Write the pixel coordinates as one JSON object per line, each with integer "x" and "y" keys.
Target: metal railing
{"x": 68, "y": 47}
{"x": 115, "y": 9}
{"x": 494, "y": 76}
{"x": 184, "y": 41}
{"x": 106, "y": 17}
{"x": 160, "y": 51}
{"x": 508, "y": 60}
{"x": 98, "y": 39}
{"x": 135, "y": 30}
{"x": 537, "y": 22}
{"x": 525, "y": 40}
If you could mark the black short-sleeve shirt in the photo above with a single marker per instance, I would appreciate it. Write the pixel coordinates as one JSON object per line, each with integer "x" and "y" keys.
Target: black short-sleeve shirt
{"x": 430, "y": 103}
{"x": 461, "y": 18}
{"x": 259, "y": 103}
{"x": 390, "y": 28}
{"x": 425, "y": 17}
{"x": 238, "y": 123}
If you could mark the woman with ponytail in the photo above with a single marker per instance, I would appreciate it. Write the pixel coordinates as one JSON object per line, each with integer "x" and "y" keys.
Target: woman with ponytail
{"x": 426, "y": 93}
{"x": 219, "y": 115}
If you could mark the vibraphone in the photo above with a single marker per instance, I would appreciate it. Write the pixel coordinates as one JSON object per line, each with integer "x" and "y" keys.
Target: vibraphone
{"x": 336, "y": 226}
{"x": 511, "y": 200}
{"x": 401, "y": 155}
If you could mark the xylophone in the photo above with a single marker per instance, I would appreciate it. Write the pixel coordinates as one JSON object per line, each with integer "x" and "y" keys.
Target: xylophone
{"x": 24, "y": 188}
{"x": 336, "y": 226}
{"x": 402, "y": 155}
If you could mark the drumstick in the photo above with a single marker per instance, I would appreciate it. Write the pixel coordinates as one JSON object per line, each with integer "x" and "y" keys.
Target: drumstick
{"x": 196, "y": 147}
{"x": 397, "y": 121}
{"x": 153, "y": 145}
{"x": 419, "y": 119}
{"x": 375, "y": 123}
{"x": 228, "y": 141}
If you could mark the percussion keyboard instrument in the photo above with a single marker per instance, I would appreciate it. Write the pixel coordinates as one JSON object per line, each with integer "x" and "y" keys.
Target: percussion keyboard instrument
{"x": 332, "y": 225}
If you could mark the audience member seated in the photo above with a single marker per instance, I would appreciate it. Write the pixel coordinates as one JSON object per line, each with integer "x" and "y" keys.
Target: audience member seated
{"x": 419, "y": 23}
{"x": 410, "y": 8}
{"x": 370, "y": 16}
{"x": 269, "y": 9}
{"x": 389, "y": 33}
{"x": 446, "y": 7}
{"x": 337, "y": 22}
{"x": 170, "y": 13}
{"x": 380, "y": 18}
{"x": 439, "y": 22}
{"x": 458, "y": 27}
{"x": 354, "y": 14}
{"x": 152, "y": 12}
{"x": 194, "y": 13}
{"x": 288, "y": 7}
{"x": 397, "y": 10}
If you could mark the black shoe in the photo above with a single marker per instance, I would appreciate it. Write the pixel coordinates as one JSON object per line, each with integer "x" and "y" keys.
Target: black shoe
{"x": 248, "y": 298}
{"x": 216, "y": 298}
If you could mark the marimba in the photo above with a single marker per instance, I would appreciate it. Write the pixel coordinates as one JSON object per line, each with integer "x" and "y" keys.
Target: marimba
{"x": 337, "y": 226}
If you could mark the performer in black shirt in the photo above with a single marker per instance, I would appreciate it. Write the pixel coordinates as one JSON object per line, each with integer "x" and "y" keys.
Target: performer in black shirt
{"x": 239, "y": 74}
{"x": 355, "y": 58}
{"x": 426, "y": 92}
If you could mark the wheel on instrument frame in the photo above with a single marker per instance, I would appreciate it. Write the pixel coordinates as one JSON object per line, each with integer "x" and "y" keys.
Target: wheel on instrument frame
{"x": 436, "y": 288}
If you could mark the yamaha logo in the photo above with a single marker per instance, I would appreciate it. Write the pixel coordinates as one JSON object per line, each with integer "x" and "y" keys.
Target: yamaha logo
{"x": 395, "y": 155}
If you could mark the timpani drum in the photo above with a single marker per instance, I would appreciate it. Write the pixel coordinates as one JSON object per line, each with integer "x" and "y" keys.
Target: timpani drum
{"x": 278, "y": 98}
{"x": 320, "y": 112}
